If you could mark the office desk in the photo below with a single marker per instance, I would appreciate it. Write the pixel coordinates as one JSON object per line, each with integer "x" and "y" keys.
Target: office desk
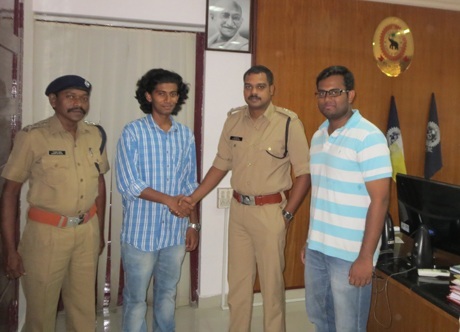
{"x": 403, "y": 301}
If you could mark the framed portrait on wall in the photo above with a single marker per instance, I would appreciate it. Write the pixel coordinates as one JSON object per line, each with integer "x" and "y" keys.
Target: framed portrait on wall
{"x": 229, "y": 26}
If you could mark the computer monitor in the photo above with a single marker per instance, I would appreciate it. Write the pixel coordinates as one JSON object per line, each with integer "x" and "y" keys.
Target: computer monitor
{"x": 429, "y": 211}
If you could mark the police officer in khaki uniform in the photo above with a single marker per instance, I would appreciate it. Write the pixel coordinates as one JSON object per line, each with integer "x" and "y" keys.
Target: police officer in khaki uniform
{"x": 64, "y": 160}
{"x": 260, "y": 144}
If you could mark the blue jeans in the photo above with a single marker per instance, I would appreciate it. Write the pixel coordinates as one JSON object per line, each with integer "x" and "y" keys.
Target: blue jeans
{"x": 332, "y": 303}
{"x": 139, "y": 267}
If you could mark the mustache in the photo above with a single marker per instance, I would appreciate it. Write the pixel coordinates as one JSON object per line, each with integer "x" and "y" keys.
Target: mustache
{"x": 76, "y": 109}
{"x": 254, "y": 96}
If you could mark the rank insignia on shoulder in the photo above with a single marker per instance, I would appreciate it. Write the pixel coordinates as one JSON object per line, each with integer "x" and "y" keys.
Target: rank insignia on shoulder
{"x": 236, "y": 110}
{"x": 289, "y": 113}
{"x": 37, "y": 125}
{"x": 56, "y": 152}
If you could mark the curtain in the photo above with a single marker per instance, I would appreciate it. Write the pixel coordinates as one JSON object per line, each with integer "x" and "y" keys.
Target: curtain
{"x": 112, "y": 59}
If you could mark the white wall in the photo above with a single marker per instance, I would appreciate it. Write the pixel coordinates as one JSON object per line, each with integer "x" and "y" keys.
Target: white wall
{"x": 223, "y": 90}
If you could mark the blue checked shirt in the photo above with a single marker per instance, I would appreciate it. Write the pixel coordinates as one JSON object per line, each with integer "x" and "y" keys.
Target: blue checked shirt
{"x": 146, "y": 157}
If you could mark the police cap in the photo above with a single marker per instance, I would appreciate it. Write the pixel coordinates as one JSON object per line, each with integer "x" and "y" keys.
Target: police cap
{"x": 67, "y": 82}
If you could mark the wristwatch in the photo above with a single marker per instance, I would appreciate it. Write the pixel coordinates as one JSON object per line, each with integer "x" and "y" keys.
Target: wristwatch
{"x": 195, "y": 226}
{"x": 287, "y": 215}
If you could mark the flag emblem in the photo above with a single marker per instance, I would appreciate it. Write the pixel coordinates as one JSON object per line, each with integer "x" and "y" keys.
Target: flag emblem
{"x": 433, "y": 136}
{"x": 393, "y": 134}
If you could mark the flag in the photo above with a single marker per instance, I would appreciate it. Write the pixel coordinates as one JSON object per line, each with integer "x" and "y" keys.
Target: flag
{"x": 395, "y": 142}
{"x": 433, "y": 158}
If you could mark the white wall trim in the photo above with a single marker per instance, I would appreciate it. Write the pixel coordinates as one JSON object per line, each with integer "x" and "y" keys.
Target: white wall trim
{"x": 436, "y": 4}
{"x": 119, "y": 22}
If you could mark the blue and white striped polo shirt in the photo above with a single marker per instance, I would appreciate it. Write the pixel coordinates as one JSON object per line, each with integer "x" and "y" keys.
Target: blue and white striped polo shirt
{"x": 340, "y": 166}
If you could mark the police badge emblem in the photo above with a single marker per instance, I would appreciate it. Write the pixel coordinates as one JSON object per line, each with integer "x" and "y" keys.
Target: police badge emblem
{"x": 393, "y": 46}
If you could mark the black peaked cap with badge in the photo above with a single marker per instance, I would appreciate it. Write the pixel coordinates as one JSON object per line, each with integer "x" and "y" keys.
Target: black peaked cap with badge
{"x": 67, "y": 82}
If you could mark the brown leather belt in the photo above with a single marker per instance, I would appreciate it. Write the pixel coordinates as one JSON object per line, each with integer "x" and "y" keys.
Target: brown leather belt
{"x": 259, "y": 200}
{"x": 58, "y": 220}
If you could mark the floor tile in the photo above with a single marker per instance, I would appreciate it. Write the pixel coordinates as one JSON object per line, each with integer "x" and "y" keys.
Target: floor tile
{"x": 192, "y": 319}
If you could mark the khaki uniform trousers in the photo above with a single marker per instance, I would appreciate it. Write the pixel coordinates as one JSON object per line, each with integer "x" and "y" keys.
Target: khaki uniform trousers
{"x": 60, "y": 258}
{"x": 257, "y": 238}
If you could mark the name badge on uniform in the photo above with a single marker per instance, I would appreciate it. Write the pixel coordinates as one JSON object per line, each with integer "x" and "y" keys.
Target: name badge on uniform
{"x": 56, "y": 153}
{"x": 236, "y": 138}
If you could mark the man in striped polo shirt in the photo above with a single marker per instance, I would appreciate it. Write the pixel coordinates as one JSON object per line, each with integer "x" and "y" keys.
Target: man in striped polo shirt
{"x": 350, "y": 177}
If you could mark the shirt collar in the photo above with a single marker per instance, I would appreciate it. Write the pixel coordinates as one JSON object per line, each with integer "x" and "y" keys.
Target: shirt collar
{"x": 267, "y": 114}
{"x": 155, "y": 126}
{"x": 55, "y": 126}
{"x": 269, "y": 111}
{"x": 352, "y": 121}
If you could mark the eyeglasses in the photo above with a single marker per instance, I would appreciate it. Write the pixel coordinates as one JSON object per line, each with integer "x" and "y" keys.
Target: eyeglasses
{"x": 331, "y": 93}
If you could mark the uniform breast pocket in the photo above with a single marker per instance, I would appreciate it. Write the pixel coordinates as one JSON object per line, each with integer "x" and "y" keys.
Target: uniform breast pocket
{"x": 275, "y": 149}
{"x": 239, "y": 149}
{"x": 55, "y": 169}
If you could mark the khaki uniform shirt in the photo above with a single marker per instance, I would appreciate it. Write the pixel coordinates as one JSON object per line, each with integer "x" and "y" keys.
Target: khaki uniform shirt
{"x": 243, "y": 149}
{"x": 62, "y": 174}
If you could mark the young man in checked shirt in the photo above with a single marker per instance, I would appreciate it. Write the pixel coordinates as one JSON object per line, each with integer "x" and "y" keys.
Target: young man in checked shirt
{"x": 156, "y": 167}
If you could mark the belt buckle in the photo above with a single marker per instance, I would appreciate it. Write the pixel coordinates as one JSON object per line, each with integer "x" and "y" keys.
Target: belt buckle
{"x": 75, "y": 221}
{"x": 248, "y": 200}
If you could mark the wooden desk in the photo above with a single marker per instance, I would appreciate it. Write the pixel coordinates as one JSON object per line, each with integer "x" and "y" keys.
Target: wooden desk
{"x": 395, "y": 307}
{"x": 406, "y": 302}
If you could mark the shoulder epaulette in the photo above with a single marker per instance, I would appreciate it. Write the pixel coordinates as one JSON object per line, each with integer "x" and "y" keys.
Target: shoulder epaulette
{"x": 37, "y": 125}
{"x": 287, "y": 112}
{"x": 236, "y": 110}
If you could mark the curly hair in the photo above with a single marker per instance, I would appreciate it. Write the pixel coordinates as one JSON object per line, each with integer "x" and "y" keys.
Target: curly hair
{"x": 156, "y": 76}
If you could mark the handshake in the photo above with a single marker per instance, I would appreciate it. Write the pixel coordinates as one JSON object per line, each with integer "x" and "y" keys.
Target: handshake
{"x": 181, "y": 205}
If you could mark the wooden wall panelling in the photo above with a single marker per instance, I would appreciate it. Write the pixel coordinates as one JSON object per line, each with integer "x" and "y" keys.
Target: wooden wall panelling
{"x": 299, "y": 38}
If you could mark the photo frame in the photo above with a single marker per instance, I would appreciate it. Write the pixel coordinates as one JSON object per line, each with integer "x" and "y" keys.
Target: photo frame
{"x": 229, "y": 25}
